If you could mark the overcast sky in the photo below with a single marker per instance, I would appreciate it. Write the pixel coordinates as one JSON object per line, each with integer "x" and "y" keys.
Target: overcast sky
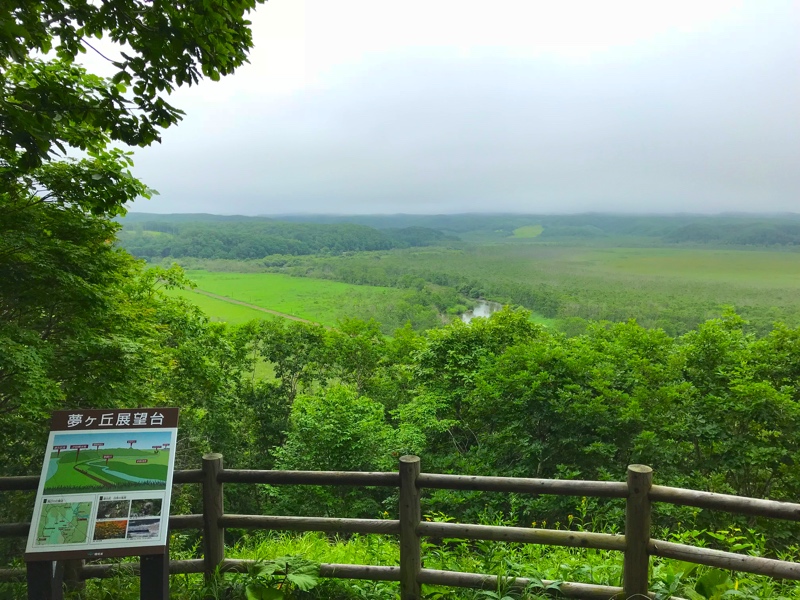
{"x": 428, "y": 106}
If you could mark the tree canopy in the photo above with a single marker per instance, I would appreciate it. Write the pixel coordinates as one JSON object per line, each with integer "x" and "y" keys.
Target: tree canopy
{"x": 48, "y": 104}
{"x": 81, "y": 323}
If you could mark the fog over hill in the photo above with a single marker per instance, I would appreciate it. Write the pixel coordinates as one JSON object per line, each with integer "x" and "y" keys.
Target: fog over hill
{"x": 528, "y": 107}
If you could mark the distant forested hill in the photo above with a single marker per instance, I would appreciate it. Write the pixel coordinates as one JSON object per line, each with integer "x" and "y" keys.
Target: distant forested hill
{"x": 732, "y": 230}
{"x": 205, "y": 236}
{"x": 241, "y": 238}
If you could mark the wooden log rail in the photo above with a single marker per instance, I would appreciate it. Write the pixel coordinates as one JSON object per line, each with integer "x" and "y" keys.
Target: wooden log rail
{"x": 636, "y": 545}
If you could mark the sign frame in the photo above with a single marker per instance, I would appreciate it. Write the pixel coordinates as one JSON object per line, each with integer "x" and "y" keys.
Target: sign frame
{"x": 91, "y": 507}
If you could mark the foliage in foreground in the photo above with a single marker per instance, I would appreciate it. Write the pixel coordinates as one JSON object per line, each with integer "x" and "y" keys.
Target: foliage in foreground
{"x": 287, "y": 567}
{"x": 82, "y": 324}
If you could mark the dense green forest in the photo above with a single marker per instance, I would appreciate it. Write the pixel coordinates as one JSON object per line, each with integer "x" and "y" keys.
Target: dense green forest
{"x": 731, "y": 230}
{"x": 706, "y": 395}
{"x": 234, "y": 237}
{"x": 256, "y": 239}
{"x": 714, "y": 409}
{"x": 625, "y": 269}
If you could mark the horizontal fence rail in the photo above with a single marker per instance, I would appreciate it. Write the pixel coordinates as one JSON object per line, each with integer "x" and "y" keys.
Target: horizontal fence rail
{"x": 725, "y": 502}
{"x": 324, "y": 524}
{"x": 545, "y": 537}
{"x": 310, "y": 478}
{"x": 636, "y": 545}
{"x": 565, "y": 487}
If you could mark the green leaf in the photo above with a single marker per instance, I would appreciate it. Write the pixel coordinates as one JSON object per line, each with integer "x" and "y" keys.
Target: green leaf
{"x": 303, "y": 581}
{"x": 258, "y": 591}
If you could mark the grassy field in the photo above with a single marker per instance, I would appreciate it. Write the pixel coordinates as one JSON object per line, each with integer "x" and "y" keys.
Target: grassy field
{"x": 529, "y": 231}
{"x": 317, "y": 300}
{"x": 674, "y": 288}
{"x": 771, "y": 269}
{"x": 509, "y": 560}
{"x": 220, "y": 310}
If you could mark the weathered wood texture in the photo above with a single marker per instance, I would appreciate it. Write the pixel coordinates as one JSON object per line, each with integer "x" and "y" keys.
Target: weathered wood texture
{"x": 726, "y": 502}
{"x": 311, "y": 524}
{"x": 637, "y": 545}
{"x": 636, "y": 565}
{"x": 14, "y": 529}
{"x": 27, "y": 482}
{"x": 566, "y": 487}
{"x": 374, "y": 573}
{"x": 176, "y": 567}
{"x": 410, "y": 516}
{"x": 334, "y": 570}
{"x": 188, "y": 476}
{"x": 213, "y": 533}
{"x": 726, "y": 560}
{"x": 186, "y": 522}
{"x": 549, "y": 537}
{"x": 310, "y": 477}
{"x": 72, "y": 578}
{"x": 12, "y": 575}
{"x": 490, "y": 582}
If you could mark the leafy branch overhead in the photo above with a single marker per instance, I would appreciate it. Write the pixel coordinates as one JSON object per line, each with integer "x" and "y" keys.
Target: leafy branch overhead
{"x": 50, "y": 105}
{"x": 80, "y": 324}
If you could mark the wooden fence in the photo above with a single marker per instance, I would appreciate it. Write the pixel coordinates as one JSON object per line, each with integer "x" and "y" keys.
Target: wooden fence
{"x": 636, "y": 545}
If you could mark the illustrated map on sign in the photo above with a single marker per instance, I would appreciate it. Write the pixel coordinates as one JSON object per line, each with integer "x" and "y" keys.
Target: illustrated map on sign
{"x": 63, "y": 523}
{"x": 112, "y": 461}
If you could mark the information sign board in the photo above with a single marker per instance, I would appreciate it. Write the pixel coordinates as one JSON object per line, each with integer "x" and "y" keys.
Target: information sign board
{"x": 102, "y": 492}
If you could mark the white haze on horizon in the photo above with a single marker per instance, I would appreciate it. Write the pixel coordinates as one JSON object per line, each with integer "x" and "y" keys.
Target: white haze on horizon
{"x": 370, "y": 107}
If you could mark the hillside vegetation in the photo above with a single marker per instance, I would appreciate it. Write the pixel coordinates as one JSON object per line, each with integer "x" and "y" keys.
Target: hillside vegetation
{"x": 708, "y": 396}
{"x": 714, "y": 409}
{"x": 257, "y": 238}
{"x": 624, "y": 269}
{"x": 731, "y": 230}
{"x": 642, "y": 361}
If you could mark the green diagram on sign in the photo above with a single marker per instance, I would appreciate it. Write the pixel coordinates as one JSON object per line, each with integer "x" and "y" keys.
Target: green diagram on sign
{"x": 66, "y": 523}
{"x": 108, "y": 462}
{"x": 105, "y": 485}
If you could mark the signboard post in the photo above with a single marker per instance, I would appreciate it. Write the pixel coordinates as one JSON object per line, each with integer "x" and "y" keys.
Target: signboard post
{"x": 109, "y": 502}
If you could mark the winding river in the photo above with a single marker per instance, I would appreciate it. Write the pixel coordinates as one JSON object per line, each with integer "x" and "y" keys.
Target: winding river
{"x": 483, "y": 308}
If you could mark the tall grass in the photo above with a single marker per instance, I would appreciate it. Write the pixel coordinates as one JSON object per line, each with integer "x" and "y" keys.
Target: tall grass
{"x": 507, "y": 560}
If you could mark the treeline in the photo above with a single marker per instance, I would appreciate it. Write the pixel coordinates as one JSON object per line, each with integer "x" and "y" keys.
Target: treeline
{"x": 758, "y": 233}
{"x": 375, "y": 270}
{"x": 302, "y": 235}
{"x": 715, "y": 409}
{"x": 729, "y": 230}
{"x": 689, "y": 229}
{"x": 257, "y": 238}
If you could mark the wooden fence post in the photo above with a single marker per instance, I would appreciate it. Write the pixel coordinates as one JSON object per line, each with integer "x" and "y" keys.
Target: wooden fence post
{"x": 637, "y": 532}
{"x": 72, "y": 575}
{"x": 410, "y": 515}
{"x": 45, "y": 578}
{"x": 213, "y": 534}
{"x": 154, "y": 576}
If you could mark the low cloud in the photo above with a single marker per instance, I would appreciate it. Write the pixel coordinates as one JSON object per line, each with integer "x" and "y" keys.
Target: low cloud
{"x": 708, "y": 125}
